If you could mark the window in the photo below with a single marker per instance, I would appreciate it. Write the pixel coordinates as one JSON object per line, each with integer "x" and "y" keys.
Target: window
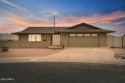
{"x": 34, "y": 37}
{"x": 79, "y": 34}
{"x": 86, "y": 34}
{"x": 94, "y": 34}
{"x": 72, "y": 34}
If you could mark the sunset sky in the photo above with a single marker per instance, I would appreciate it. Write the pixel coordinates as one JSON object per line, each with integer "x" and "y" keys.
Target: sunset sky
{"x": 16, "y": 15}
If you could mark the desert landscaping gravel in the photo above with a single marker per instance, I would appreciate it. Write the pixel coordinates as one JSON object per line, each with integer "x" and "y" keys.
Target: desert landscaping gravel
{"x": 118, "y": 50}
{"x": 28, "y": 52}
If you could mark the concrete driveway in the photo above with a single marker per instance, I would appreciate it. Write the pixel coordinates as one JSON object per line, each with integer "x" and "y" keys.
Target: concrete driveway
{"x": 83, "y": 54}
{"x": 89, "y": 55}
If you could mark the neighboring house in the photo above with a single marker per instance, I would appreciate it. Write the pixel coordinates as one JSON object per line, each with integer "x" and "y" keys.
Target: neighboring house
{"x": 81, "y": 35}
{"x": 8, "y": 37}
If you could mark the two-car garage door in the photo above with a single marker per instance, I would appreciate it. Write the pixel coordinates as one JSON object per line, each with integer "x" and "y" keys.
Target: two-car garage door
{"x": 83, "y": 40}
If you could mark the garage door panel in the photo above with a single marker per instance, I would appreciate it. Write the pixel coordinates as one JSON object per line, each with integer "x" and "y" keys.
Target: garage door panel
{"x": 83, "y": 41}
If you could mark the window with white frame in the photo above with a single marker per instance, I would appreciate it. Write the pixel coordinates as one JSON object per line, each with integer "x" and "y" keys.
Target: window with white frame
{"x": 79, "y": 34}
{"x": 94, "y": 34}
{"x": 72, "y": 34}
{"x": 35, "y": 37}
{"x": 86, "y": 34}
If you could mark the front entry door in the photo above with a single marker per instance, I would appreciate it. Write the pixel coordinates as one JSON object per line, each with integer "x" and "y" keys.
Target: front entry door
{"x": 56, "y": 39}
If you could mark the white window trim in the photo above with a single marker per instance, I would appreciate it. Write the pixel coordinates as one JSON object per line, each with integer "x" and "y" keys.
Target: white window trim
{"x": 72, "y": 34}
{"x": 31, "y": 37}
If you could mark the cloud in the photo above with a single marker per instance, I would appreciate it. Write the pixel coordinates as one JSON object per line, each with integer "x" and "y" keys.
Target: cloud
{"x": 62, "y": 21}
{"x": 14, "y": 5}
{"x": 113, "y": 16}
{"x": 105, "y": 22}
{"x": 22, "y": 21}
{"x": 120, "y": 23}
{"x": 96, "y": 18}
{"x": 71, "y": 20}
{"x": 91, "y": 19}
{"x": 46, "y": 18}
{"x": 50, "y": 13}
{"x": 107, "y": 18}
{"x": 103, "y": 18}
{"x": 7, "y": 14}
{"x": 8, "y": 28}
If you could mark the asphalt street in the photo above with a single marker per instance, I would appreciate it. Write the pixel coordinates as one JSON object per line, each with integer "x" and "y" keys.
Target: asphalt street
{"x": 57, "y": 72}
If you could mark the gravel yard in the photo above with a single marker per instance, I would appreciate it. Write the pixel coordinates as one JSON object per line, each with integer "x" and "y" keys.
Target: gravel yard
{"x": 118, "y": 50}
{"x": 28, "y": 52}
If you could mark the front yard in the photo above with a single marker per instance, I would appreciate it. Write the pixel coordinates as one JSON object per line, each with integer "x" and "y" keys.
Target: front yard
{"x": 119, "y": 52}
{"x": 89, "y": 55}
{"x": 28, "y": 52}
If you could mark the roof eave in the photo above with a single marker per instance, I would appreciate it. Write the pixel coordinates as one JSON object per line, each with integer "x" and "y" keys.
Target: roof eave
{"x": 31, "y": 33}
{"x": 90, "y": 31}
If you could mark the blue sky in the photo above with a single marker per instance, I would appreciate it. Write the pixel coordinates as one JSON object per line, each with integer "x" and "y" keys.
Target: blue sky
{"x": 17, "y": 15}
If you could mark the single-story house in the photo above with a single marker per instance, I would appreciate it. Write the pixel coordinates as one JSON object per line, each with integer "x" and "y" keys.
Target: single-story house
{"x": 80, "y": 35}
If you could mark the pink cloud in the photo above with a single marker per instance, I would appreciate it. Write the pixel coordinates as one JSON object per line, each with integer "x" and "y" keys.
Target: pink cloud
{"x": 22, "y": 21}
{"x": 89, "y": 19}
{"x": 121, "y": 22}
{"x": 108, "y": 18}
{"x": 105, "y": 22}
{"x": 113, "y": 16}
{"x": 67, "y": 21}
{"x": 104, "y": 19}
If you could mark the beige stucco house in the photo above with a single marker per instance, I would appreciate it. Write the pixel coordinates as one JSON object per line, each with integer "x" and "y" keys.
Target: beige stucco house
{"x": 81, "y": 35}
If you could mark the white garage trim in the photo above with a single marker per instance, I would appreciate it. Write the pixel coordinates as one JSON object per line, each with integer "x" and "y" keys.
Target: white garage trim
{"x": 79, "y": 34}
{"x": 72, "y": 34}
{"x": 94, "y": 34}
{"x": 86, "y": 34}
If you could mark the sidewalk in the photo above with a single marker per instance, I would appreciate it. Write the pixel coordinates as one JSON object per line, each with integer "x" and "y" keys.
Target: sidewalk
{"x": 57, "y": 59}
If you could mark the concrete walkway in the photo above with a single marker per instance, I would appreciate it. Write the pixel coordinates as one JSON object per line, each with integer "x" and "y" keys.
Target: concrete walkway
{"x": 89, "y": 55}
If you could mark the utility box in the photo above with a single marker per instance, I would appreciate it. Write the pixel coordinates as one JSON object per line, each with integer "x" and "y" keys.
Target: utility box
{"x": 5, "y": 49}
